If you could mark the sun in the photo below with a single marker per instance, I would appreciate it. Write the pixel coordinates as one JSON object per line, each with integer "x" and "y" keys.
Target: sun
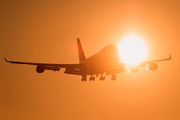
{"x": 132, "y": 49}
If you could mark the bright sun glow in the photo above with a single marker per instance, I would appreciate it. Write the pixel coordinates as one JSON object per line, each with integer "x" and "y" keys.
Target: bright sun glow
{"x": 132, "y": 49}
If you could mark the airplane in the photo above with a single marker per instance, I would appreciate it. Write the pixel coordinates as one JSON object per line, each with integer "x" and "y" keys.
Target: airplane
{"x": 105, "y": 62}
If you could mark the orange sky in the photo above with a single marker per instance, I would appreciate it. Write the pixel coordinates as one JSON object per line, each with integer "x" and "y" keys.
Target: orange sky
{"x": 46, "y": 31}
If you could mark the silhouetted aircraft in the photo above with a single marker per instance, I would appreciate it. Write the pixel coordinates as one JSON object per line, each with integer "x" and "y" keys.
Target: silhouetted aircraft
{"x": 105, "y": 61}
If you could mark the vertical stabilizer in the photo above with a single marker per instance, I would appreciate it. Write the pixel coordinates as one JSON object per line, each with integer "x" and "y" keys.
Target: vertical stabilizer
{"x": 80, "y": 51}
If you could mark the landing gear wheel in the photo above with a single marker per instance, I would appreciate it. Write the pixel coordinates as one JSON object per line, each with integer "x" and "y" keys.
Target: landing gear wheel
{"x": 102, "y": 78}
{"x": 113, "y": 77}
{"x": 92, "y": 78}
{"x": 84, "y": 78}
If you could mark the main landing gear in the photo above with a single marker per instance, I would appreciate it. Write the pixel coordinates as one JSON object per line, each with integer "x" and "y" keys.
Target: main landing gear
{"x": 113, "y": 77}
{"x": 102, "y": 78}
{"x": 84, "y": 78}
{"x": 92, "y": 78}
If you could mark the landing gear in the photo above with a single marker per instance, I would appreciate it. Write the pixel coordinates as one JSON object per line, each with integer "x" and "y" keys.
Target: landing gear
{"x": 113, "y": 77}
{"x": 84, "y": 78}
{"x": 92, "y": 78}
{"x": 102, "y": 78}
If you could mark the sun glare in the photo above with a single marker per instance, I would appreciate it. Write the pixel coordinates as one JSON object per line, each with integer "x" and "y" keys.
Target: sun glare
{"x": 132, "y": 49}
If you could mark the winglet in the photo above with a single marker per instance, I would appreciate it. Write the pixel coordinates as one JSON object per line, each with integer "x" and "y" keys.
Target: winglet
{"x": 5, "y": 59}
{"x": 170, "y": 56}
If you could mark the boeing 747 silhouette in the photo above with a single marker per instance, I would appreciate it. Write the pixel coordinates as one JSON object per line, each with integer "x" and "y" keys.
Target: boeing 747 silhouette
{"x": 104, "y": 62}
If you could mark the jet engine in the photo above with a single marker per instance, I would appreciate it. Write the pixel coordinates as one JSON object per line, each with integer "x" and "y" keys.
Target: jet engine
{"x": 134, "y": 69}
{"x": 153, "y": 66}
{"x": 40, "y": 69}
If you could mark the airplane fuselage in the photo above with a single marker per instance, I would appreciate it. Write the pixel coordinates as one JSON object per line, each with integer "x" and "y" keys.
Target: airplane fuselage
{"x": 99, "y": 63}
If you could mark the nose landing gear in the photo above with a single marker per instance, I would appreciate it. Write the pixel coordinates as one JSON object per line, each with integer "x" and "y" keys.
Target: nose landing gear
{"x": 113, "y": 77}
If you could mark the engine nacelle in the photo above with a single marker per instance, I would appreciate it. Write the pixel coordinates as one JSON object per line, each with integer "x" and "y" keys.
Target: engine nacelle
{"x": 134, "y": 69}
{"x": 40, "y": 69}
{"x": 153, "y": 66}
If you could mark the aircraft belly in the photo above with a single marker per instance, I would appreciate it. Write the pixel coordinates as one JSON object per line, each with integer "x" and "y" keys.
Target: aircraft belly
{"x": 86, "y": 70}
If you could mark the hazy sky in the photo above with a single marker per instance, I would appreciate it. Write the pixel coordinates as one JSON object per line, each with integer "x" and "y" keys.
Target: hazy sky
{"x": 46, "y": 31}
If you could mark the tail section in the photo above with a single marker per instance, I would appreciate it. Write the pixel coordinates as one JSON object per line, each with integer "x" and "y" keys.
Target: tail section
{"x": 80, "y": 51}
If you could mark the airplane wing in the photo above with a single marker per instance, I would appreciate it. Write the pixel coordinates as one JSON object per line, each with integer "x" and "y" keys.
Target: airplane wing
{"x": 152, "y": 64}
{"x": 159, "y": 60}
{"x": 48, "y": 66}
{"x": 149, "y": 62}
